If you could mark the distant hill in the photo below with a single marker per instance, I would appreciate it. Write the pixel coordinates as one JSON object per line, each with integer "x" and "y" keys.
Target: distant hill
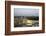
{"x": 27, "y": 17}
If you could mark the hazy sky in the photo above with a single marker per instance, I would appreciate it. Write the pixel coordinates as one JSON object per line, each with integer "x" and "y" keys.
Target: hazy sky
{"x": 26, "y": 12}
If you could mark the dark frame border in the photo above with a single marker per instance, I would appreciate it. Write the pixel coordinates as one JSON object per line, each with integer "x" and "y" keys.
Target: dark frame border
{"x": 8, "y": 16}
